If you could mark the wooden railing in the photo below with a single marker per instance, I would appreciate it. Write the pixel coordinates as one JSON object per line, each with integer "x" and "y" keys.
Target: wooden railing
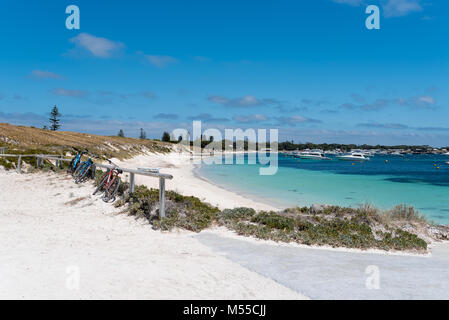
{"x": 132, "y": 172}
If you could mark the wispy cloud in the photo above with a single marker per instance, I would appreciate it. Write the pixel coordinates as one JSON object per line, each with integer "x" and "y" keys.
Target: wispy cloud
{"x": 161, "y": 61}
{"x": 39, "y": 74}
{"x": 246, "y": 101}
{"x": 374, "y": 106}
{"x": 314, "y": 102}
{"x": 420, "y": 102}
{"x": 149, "y": 95}
{"x": 24, "y": 118}
{"x": 207, "y": 118}
{"x": 123, "y": 96}
{"x": 254, "y": 118}
{"x": 293, "y": 121}
{"x": 358, "y": 98}
{"x": 166, "y": 116}
{"x": 433, "y": 128}
{"x": 69, "y": 93}
{"x": 243, "y": 102}
{"x": 97, "y": 46}
{"x": 383, "y": 125}
{"x": 399, "y": 8}
{"x": 390, "y": 8}
{"x": 400, "y": 126}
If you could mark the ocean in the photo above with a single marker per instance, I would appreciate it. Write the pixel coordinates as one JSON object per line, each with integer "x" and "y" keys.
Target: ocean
{"x": 421, "y": 181}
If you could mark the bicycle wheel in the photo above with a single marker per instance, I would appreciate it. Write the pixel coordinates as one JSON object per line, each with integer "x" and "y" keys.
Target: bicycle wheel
{"x": 82, "y": 176}
{"x": 78, "y": 171}
{"x": 102, "y": 183}
{"x": 111, "y": 191}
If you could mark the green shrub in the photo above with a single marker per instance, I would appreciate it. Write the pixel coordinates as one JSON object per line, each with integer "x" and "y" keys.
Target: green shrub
{"x": 6, "y": 164}
{"x": 273, "y": 220}
{"x": 237, "y": 213}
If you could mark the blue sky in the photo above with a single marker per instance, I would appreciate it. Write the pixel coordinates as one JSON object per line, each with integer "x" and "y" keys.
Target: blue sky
{"x": 309, "y": 68}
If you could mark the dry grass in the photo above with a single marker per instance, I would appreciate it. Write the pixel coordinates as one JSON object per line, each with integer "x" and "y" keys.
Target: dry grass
{"x": 18, "y": 138}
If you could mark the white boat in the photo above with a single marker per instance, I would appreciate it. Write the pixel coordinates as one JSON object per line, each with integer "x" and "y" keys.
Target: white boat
{"x": 446, "y": 154}
{"x": 313, "y": 155}
{"x": 354, "y": 156}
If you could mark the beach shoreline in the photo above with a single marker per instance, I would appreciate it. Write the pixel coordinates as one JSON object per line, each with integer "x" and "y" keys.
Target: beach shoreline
{"x": 187, "y": 181}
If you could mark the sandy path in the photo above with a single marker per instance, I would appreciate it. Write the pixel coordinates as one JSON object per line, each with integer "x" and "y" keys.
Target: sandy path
{"x": 50, "y": 248}
{"x": 185, "y": 182}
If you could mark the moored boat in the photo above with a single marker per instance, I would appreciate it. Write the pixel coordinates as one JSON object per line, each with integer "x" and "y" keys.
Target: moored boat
{"x": 354, "y": 156}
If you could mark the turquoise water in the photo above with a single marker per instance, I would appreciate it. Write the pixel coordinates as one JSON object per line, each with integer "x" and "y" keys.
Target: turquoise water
{"x": 385, "y": 181}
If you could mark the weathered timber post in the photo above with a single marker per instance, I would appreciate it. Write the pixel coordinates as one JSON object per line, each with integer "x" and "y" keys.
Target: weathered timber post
{"x": 131, "y": 182}
{"x": 19, "y": 160}
{"x": 162, "y": 197}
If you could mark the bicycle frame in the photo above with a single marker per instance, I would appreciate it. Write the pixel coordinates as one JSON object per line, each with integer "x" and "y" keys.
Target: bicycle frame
{"x": 77, "y": 160}
{"x": 85, "y": 167}
{"x": 112, "y": 175}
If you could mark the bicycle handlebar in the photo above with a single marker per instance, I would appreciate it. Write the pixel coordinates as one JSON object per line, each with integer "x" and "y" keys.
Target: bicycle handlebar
{"x": 112, "y": 163}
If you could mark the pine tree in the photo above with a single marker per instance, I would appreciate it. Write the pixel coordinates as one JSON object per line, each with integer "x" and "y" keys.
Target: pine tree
{"x": 143, "y": 135}
{"x": 54, "y": 119}
{"x": 166, "y": 137}
{"x": 121, "y": 133}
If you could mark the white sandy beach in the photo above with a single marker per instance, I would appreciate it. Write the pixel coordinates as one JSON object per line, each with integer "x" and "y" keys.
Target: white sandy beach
{"x": 58, "y": 242}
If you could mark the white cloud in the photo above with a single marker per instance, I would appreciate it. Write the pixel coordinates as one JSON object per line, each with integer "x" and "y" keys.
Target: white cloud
{"x": 250, "y": 119}
{"x": 391, "y": 8}
{"x": 97, "y": 46}
{"x": 418, "y": 102}
{"x": 426, "y": 100}
{"x": 295, "y": 120}
{"x": 246, "y": 101}
{"x": 161, "y": 61}
{"x": 399, "y": 8}
{"x": 69, "y": 93}
{"x": 39, "y": 74}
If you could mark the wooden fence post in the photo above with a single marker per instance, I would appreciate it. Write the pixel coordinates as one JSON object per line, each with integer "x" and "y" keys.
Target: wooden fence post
{"x": 162, "y": 197}
{"x": 131, "y": 182}
{"x": 19, "y": 160}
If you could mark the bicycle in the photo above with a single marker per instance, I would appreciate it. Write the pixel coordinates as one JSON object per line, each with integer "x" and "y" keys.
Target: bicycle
{"x": 110, "y": 183}
{"x": 75, "y": 161}
{"x": 82, "y": 172}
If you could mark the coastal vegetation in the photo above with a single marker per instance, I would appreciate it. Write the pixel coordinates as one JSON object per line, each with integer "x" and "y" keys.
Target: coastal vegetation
{"x": 401, "y": 228}
{"x": 366, "y": 227}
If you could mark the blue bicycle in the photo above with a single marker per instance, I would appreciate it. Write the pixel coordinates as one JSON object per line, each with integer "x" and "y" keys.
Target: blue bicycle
{"x": 74, "y": 164}
{"x": 85, "y": 171}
